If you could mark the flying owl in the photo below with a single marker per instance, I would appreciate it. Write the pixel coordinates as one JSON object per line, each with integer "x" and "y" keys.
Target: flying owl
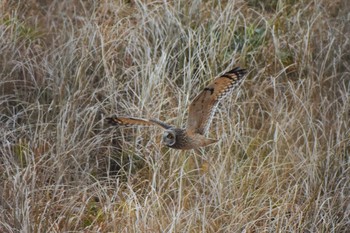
{"x": 201, "y": 112}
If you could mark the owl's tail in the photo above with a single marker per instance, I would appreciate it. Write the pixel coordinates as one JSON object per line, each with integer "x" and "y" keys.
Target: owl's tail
{"x": 209, "y": 141}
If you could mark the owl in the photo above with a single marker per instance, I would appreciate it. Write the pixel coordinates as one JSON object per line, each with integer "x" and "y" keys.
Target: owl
{"x": 200, "y": 114}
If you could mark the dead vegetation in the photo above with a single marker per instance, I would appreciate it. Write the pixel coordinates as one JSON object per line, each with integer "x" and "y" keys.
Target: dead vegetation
{"x": 282, "y": 164}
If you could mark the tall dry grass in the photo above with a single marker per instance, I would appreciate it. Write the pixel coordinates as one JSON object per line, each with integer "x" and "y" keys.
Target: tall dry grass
{"x": 282, "y": 163}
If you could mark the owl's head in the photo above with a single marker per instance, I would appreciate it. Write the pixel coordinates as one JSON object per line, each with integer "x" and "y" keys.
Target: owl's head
{"x": 169, "y": 137}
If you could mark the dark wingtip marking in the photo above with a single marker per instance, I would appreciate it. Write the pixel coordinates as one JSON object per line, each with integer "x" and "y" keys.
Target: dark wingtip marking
{"x": 237, "y": 71}
{"x": 110, "y": 120}
{"x": 209, "y": 89}
{"x": 113, "y": 120}
{"x": 228, "y": 76}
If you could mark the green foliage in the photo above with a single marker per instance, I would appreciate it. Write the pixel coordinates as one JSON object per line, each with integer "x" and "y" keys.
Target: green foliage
{"x": 20, "y": 30}
{"x": 20, "y": 151}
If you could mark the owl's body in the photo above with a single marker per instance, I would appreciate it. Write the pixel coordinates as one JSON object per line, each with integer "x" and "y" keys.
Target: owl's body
{"x": 183, "y": 140}
{"x": 201, "y": 112}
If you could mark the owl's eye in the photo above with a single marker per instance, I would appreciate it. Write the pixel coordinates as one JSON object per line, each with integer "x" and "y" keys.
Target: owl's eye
{"x": 170, "y": 136}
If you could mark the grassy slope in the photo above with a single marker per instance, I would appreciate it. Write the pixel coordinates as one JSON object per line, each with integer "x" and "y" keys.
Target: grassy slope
{"x": 282, "y": 163}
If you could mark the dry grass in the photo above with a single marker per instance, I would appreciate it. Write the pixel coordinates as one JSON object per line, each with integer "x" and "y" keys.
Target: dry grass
{"x": 282, "y": 164}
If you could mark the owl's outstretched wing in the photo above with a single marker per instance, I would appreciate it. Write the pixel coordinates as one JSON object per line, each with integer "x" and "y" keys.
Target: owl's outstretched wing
{"x": 131, "y": 121}
{"x": 203, "y": 107}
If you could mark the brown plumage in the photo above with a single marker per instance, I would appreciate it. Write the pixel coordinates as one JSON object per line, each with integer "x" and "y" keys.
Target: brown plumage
{"x": 201, "y": 112}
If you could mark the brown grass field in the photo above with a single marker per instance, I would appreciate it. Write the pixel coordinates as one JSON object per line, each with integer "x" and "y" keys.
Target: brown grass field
{"x": 283, "y": 160}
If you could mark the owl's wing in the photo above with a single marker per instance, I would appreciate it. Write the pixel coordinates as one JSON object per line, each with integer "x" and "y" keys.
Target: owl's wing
{"x": 203, "y": 107}
{"x": 130, "y": 121}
